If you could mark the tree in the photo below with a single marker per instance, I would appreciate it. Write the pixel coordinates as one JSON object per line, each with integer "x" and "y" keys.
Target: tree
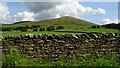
{"x": 93, "y": 27}
{"x": 42, "y": 29}
{"x": 35, "y": 29}
{"x": 23, "y": 30}
{"x": 50, "y": 28}
{"x": 118, "y": 26}
{"x": 7, "y": 28}
{"x": 27, "y": 27}
{"x": 35, "y": 26}
{"x": 59, "y": 27}
{"x": 98, "y": 26}
{"x": 112, "y": 26}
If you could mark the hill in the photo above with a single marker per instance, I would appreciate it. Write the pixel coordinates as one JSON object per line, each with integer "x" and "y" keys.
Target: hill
{"x": 65, "y": 21}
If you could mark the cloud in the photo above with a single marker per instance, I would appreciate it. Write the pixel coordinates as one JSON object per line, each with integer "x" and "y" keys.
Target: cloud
{"x": 108, "y": 21}
{"x": 47, "y": 10}
{"x": 6, "y": 18}
{"x": 100, "y": 0}
{"x": 24, "y": 16}
{"x": 59, "y": 0}
{"x": 50, "y": 0}
{"x": 99, "y": 11}
{"x": 57, "y": 16}
{"x": 4, "y": 13}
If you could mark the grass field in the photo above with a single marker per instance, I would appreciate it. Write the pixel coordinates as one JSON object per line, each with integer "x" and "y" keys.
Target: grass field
{"x": 18, "y": 33}
{"x": 64, "y": 31}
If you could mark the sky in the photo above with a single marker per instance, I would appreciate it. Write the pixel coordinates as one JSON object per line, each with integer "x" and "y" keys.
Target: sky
{"x": 96, "y": 12}
{"x": 59, "y": 0}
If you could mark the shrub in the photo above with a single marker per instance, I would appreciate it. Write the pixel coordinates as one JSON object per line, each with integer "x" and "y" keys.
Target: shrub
{"x": 35, "y": 26}
{"x": 98, "y": 26}
{"x": 42, "y": 29}
{"x": 112, "y": 26}
{"x": 93, "y": 27}
{"x": 27, "y": 27}
{"x": 23, "y": 30}
{"x": 59, "y": 27}
{"x": 50, "y": 28}
{"x": 35, "y": 29}
{"x": 7, "y": 29}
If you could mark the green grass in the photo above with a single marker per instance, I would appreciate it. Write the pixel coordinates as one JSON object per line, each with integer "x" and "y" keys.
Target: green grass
{"x": 93, "y": 30}
{"x": 18, "y": 33}
{"x": 102, "y": 30}
{"x": 64, "y": 31}
{"x": 14, "y": 58}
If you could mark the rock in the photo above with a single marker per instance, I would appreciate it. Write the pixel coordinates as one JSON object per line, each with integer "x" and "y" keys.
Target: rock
{"x": 60, "y": 41}
{"x": 54, "y": 40}
{"x": 48, "y": 41}
{"x": 54, "y": 56}
{"x": 59, "y": 37}
{"x": 44, "y": 37}
{"x": 32, "y": 45}
{"x": 40, "y": 42}
{"x": 78, "y": 36}
{"x": 112, "y": 39}
{"x": 71, "y": 48}
{"x": 50, "y": 37}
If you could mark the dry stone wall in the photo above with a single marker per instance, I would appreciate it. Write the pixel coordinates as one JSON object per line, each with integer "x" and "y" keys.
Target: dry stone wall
{"x": 66, "y": 46}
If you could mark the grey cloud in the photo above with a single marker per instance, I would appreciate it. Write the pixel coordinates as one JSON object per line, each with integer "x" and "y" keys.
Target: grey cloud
{"x": 41, "y": 6}
{"x": 47, "y": 10}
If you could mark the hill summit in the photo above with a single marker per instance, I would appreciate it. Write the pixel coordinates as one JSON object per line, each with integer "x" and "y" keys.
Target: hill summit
{"x": 65, "y": 20}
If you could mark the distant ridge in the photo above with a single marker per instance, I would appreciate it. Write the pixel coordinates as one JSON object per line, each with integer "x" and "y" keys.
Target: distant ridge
{"x": 21, "y": 22}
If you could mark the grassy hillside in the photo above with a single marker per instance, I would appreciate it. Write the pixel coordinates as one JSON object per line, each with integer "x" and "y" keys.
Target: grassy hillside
{"x": 65, "y": 21}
